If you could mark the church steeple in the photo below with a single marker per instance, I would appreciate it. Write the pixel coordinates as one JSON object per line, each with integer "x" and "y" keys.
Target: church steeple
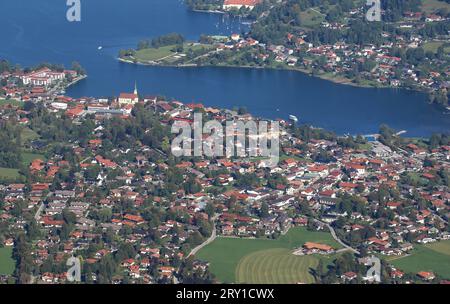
{"x": 135, "y": 88}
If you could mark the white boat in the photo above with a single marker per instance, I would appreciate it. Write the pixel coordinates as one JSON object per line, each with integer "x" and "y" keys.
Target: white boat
{"x": 293, "y": 118}
{"x": 100, "y": 47}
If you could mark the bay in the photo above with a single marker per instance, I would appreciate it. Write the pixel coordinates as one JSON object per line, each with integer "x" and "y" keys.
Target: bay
{"x": 37, "y": 31}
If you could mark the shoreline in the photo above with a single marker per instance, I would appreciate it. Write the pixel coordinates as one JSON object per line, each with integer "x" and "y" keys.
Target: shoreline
{"x": 303, "y": 71}
{"x": 64, "y": 87}
{"x": 208, "y": 11}
{"x": 75, "y": 81}
{"x": 335, "y": 80}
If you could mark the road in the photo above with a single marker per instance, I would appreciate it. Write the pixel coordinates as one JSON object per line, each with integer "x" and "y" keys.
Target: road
{"x": 37, "y": 216}
{"x": 333, "y": 234}
{"x": 209, "y": 240}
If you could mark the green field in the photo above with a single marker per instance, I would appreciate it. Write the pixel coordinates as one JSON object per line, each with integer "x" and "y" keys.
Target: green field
{"x": 13, "y": 102}
{"x": 311, "y": 18}
{"x": 431, "y": 6}
{"x": 277, "y": 266}
{"x": 433, "y": 257}
{"x": 231, "y": 257}
{"x": 6, "y": 261}
{"x": 165, "y": 53}
{"x": 154, "y": 54}
{"x": 28, "y": 135}
{"x": 28, "y": 157}
{"x": 9, "y": 174}
{"x": 433, "y": 46}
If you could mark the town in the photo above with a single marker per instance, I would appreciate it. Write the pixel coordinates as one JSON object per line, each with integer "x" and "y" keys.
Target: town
{"x": 94, "y": 178}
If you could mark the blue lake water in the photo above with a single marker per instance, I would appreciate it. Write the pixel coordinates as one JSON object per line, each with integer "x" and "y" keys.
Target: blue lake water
{"x": 37, "y": 31}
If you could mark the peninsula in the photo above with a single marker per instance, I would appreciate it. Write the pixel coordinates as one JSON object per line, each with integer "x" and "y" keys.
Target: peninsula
{"x": 408, "y": 49}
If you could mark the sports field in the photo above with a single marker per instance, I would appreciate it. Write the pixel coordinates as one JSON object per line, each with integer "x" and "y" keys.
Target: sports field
{"x": 276, "y": 266}
{"x": 433, "y": 257}
{"x": 263, "y": 260}
{"x": 6, "y": 261}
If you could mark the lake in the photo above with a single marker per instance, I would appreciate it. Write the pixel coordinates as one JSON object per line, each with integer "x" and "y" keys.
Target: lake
{"x": 37, "y": 31}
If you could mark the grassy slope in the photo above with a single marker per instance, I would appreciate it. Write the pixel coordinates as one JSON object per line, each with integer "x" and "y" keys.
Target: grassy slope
{"x": 28, "y": 157}
{"x": 311, "y": 18}
{"x": 224, "y": 254}
{"x": 28, "y": 135}
{"x": 431, "y": 6}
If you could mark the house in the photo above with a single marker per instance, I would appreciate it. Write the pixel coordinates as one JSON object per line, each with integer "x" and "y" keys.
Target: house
{"x": 9, "y": 242}
{"x": 311, "y": 247}
{"x": 426, "y": 275}
{"x": 348, "y": 276}
{"x": 166, "y": 271}
{"x": 227, "y": 230}
{"x": 397, "y": 274}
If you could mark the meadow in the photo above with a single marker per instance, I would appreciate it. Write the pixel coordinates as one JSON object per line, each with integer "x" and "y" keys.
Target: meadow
{"x": 166, "y": 54}
{"x": 12, "y": 102}
{"x": 431, "y": 6}
{"x": 6, "y": 261}
{"x": 433, "y": 257}
{"x": 9, "y": 174}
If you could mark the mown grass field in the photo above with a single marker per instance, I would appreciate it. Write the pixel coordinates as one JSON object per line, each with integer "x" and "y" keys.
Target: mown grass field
{"x": 277, "y": 266}
{"x": 433, "y": 257}
{"x": 6, "y": 261}
{"x": 232, "y": 258}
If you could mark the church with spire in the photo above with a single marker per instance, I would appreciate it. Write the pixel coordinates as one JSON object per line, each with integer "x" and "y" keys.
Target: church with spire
{"x": 135, "y": 89}
{"x": 129, "y": 98}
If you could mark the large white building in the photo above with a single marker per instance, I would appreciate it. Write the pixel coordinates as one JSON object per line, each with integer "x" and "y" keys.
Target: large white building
{"x": 237, "y": 4}
{"x": 42, "y": 77}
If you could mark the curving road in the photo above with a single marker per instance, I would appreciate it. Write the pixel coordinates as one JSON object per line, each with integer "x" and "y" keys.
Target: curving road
{"x": 209, "y": 240}
{"x": 333, "y": 234}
